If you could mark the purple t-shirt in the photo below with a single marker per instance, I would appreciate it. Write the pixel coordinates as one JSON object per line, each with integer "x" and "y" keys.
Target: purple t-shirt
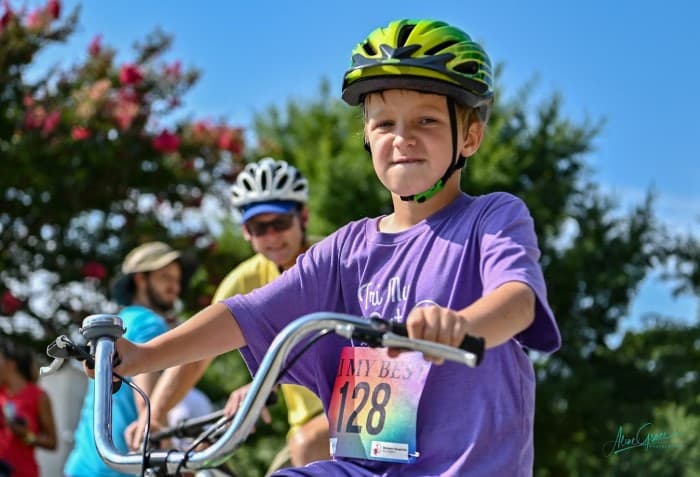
{"x": 471, "y": 421}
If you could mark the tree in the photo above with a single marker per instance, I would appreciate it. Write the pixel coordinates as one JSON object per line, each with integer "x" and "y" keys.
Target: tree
{"x": 92, "y": 164}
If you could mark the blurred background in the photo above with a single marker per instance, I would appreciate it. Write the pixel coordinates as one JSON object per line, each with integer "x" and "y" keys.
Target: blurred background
{"x": 126, "y": 122}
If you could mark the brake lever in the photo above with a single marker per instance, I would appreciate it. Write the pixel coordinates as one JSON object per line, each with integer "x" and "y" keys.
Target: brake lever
{"x": 392, "y": 334}
{"x": 471, "y": 344}
{"x": 63, "y": 348}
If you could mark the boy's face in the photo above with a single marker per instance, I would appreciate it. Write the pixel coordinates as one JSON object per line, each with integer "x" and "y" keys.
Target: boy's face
{"x": 279, "y": 237}
{"x": 410, "y": 137}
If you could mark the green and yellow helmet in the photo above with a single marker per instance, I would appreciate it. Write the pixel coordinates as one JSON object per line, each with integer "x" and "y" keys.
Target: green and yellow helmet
{"x": 423, "y": 55}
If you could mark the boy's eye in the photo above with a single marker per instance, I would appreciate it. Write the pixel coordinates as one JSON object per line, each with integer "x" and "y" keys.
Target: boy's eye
{"x": 428, "y": 121}
{"x": 386, "y": 123}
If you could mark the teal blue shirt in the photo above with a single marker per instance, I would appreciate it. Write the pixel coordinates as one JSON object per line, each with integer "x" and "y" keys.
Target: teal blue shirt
{"x": 141, "y": 325}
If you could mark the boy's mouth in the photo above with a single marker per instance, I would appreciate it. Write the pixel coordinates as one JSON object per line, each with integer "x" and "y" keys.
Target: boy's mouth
{"x": 405, "y": 160}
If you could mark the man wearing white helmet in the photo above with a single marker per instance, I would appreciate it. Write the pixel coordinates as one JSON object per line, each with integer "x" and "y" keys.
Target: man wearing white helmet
{"x": 269, "y": 197}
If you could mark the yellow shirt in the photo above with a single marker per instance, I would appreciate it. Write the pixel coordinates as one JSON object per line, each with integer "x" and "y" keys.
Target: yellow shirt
{"x": 302, "y": 404}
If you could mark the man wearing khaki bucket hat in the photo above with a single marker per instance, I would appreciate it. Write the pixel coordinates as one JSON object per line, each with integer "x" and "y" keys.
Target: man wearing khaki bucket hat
{"x": 148, "y": 287}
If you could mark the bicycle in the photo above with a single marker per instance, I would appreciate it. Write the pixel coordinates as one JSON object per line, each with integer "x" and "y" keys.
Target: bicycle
{"x": 199, "y": 430}
{"x": 102, "y": 330}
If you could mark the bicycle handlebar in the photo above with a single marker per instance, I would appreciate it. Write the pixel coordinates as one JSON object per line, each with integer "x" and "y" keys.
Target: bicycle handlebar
{"x": 103, "y": 330}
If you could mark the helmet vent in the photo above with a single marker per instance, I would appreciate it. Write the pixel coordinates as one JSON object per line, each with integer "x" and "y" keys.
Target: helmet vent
{"x": 369, "y": 49}
{"x": 469, "y": 68}
{"x": 403, "y": 34}
{"x": 442, "y": 46}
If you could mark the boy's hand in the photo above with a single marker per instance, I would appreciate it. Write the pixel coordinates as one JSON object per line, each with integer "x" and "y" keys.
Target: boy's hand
{"x": 124, "y": 361}
{"x": 438, "y": 324}
{"x": 127, "y": 362}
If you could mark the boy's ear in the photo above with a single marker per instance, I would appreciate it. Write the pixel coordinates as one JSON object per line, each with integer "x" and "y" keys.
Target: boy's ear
{"x": 474, "y": 136}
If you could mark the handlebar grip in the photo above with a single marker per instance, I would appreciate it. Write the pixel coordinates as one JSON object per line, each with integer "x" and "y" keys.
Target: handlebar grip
{"x": 471, "y": 344}
{"x": 90, "y": 363}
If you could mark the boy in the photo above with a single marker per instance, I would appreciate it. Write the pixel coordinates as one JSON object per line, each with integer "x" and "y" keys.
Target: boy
{"x": 445, "y": 263}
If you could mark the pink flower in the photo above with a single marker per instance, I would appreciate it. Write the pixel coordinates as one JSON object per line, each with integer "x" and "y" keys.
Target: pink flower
{"x": 34, "y": 118}
{"x": 124, "y": 113}
{"x": 51, "y": 122}
{"x": 94, "y": 270}
{"x": 130, "y": 74}
{"x": 95, "y": 46}
{"x": 202, "y": 131}
{"x": 174, "y": 70}
{"x": 188, "y": 165}
{"x": 99, "y": 90}
{"x": 80, "y": 133}
{"x": 37, "y": 20}
{"x": 128, "y": 94}
{"x": 166, "y": 142}
{"x": 10, "y": 303}
{"x": 53, "y": 8}
{"x": 230, "y": 140}
{"x": 8, "y": 16}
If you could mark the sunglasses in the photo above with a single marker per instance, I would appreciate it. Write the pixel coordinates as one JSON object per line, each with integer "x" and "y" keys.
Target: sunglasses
{"x": 258, "y": 228}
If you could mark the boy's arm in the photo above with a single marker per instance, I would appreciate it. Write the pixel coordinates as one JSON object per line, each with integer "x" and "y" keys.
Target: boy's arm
{"x": 496, "y": 317}
{"x": 207, "y": 334}
{"x": 502, "y": 314}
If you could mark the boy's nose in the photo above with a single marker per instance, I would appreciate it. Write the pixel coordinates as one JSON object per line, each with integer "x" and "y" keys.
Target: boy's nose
{"x": 404, "y": 137}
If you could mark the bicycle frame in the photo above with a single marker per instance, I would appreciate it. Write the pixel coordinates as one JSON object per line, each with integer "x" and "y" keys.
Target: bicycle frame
{"x": 103, "y": 330}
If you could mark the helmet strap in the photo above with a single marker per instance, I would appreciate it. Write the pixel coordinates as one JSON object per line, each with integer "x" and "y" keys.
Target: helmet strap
{"x": 457, "y": 163}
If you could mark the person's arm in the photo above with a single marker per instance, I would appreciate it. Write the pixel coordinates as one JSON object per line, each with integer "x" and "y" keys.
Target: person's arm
{"x": 173, "y": 386}
{"x": 496, "y": 317}
{"x": 146, "y": 382}
{"x": 210, "y": 332}
{"x": 170, "y": 389}
{"x": 502, "y": 314}
{"x": 46, "y": 437}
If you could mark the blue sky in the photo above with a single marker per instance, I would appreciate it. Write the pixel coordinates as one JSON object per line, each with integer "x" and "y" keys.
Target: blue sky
{"x": 633, "y": 63}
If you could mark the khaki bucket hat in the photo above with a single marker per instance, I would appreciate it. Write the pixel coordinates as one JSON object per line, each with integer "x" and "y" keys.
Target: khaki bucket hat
{"x": 149, "y": 257}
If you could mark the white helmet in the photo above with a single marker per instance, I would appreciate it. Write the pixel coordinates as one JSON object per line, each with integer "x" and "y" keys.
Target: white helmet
{"x": 269, "y": 180}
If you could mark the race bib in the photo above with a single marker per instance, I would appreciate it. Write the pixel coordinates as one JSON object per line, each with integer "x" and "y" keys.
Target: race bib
{"x": 374, "y": 404}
